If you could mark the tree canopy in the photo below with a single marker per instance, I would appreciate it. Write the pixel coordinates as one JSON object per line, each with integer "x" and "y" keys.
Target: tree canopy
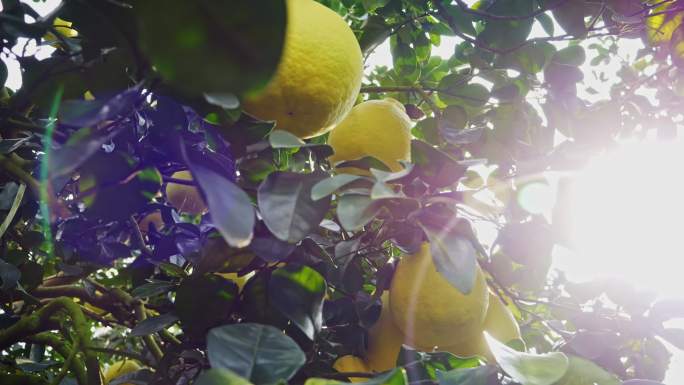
{"x": 146, "y": 217}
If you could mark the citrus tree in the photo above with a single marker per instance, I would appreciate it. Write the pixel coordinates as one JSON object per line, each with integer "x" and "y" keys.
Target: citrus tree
{"x": 213, "y": 192}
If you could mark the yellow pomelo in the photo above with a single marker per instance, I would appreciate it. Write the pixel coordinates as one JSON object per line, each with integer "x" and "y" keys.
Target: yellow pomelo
{"x": 384, "y": 340}
{"x": 663, "y": 23}
{"x": 153, "y": 217}
{"x": 239, "y": 280}
{"x": 318, "y": 77}
{"x": 119, "y": 368}
{"x": 185, "y": 199}
{"x": 351, "y": 363}
{"x": 62, "y": 27}
{"x": 499, "y": 322}
{"x": 428, "y": 309}
{"x": 377, "y": 128}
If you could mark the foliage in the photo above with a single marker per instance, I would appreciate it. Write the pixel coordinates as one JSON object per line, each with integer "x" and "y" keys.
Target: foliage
{"x": 147, "y": 88}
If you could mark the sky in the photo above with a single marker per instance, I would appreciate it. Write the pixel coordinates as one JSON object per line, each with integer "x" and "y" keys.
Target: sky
{"x": 658, "y": 275}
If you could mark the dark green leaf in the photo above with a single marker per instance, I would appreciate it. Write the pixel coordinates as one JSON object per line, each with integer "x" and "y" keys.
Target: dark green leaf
{"x": 3, "y": 73}
{"x": 286, "y": 205}
{"x": 355, "y": 210}
{"x": 238, "y": 45}
{"x": 466, "y": 376}
{"x": 204, "y": 301}
{"x": 573, "y": 55}
{"x": 298, "y": 291}
{"x": 375, "y": 31}
{"x": 570, "y": 16}
{"x": 260, "y": 353}
{"x": 454, "y": 118}
{"x": 153, "y": 324}
{"x": 9, "y": 274}
{"x": 231, "y": 209}
{"x": 546, "y": 22}
{"x": 435, "y": 167}
{"x": 151, "y": 289}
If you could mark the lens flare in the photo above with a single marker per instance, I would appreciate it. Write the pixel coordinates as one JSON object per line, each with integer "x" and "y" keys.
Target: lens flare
{"x": 625, "y": 217}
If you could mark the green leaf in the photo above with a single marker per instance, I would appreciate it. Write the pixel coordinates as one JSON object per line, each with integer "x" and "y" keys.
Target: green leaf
{"x": 260, "y": 353}
{"x": 284, "y": 139}
{"x": 435, "y": 167}
{"x": 677, "y": 47}
{"x": 382, "y": 190}
{"x": 355, "y": 210}
{"x": 423, "y": 366}
{"x": 231, "y": 208}
{"x": 385, "y": 176}
{"x": 3, "y": 74}
{"x": 372, "y": 5}
{"x": 328, "y": 186}
{"x": 570, "y": 16}
{"x": 573, "y": 55}
{"x": 547, "y": 23}
{"x": 526, "y": 368}
{"x": 221, "y": 377}
{"x": 454, "y": 256}
{"x": 286, "y": 205}
{"x": 582, "y": 371}
{"x": 204, "y": 301}
{"x": 461, "y": 19}
{"x": 472, "y": 95}
{"x": 153, "y": 324}
{"x": 224, "y": 100}
{"x": 9, "y": 275}
{"x": 454, "y": 118}
{"x": 396, "y": 376}
{"x": 151, "y": 289}
{"x": 238, "y": 51}
{"x": 375, "y": 31}
{"x": 298, "y": 291}
{"x": 466, "y": 376}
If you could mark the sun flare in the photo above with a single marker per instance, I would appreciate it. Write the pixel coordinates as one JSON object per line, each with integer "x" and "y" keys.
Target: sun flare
{"x": 625, "y": 217}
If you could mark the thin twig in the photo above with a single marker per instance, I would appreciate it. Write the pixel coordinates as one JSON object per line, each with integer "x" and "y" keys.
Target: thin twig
{"x": 149, "y": 341}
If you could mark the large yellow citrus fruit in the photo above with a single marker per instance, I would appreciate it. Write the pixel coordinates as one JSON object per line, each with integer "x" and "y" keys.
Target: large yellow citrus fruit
{"x": 119, "y": 368}
{"x": 319, "y": 75}
{"x": 185, "y": 199}
{"x": 499, "y": 322}
{"x": 377, "y": 128}
{"x": 155, "y": 218}
{"x": 384, "y": 340}
{"x": 351, "y": 363}
{"x": 428, "y": 309}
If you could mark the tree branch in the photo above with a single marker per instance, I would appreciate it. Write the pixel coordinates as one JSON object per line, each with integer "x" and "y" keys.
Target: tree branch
{"x": 148, "y": 339}
{"x": 465, "y": 8}
{"x": 41, "y": 320}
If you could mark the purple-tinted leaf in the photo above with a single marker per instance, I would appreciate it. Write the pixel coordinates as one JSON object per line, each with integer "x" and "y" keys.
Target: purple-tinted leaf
{"x": 69, "y": 157}
{"x": 271, "y": 249}
{"x": 86, "y": 113}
